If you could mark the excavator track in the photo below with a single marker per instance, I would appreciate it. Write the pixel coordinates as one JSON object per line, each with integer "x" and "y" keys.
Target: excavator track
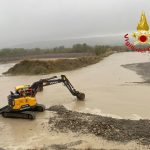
{"x": 6, "y": 112}
{"x": 22, "y": 115}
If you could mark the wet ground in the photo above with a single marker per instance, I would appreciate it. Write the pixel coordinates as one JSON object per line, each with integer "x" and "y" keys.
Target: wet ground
{"x": 109, "y": 90}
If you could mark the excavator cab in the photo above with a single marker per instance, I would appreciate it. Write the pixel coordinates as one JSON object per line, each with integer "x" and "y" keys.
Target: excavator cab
{"x": 22, "y": 99}
{"x": 21, "y": 87}
{"x": 24, "y": 90}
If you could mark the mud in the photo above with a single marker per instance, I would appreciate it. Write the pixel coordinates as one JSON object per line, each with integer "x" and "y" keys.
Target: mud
{"x": 67, "y": 146}
{"x": 109, "y": 128}
{"x": 39, "y": 67}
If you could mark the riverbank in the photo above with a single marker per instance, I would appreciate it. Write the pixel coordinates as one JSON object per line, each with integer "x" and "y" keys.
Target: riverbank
{"x": 111, "y": 129}
{"x": 142, "y": 69}
{"x": 37, "y": 67}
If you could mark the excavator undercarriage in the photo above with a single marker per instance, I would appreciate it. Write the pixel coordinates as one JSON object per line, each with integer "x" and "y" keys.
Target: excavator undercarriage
{"x": 29, "y": 113}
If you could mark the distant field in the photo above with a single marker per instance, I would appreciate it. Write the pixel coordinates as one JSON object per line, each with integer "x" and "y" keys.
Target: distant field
{"x": 78, "y": 50}
{"x": 44, "y": 56}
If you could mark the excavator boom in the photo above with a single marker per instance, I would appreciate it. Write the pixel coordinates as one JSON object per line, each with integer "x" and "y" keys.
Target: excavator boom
{"x": 38, "y": 86}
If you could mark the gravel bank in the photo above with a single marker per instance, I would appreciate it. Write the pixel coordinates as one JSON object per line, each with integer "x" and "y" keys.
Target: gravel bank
{"x": 109, "y": 128}
{"x": 142, "y": 69}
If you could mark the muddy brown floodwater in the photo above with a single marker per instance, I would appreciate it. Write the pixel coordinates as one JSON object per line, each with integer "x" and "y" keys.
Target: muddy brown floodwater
{"x": 109, "y": 90}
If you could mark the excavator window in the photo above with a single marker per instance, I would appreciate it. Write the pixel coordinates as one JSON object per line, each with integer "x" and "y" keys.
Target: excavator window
{"x": 27, "y": 91}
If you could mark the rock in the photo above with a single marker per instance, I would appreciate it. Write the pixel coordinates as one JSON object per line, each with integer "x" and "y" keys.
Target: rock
{"x": 109, "y": 128}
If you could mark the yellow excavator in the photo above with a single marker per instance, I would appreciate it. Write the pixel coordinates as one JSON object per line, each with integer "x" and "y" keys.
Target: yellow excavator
{"x": 22, "y": 103}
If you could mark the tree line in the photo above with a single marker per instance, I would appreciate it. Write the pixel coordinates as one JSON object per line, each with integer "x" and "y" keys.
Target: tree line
{"x": 77, "y": 48}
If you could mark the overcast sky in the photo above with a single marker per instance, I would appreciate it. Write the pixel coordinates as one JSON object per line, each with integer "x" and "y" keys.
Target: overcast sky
{"x": 23, "y": 21}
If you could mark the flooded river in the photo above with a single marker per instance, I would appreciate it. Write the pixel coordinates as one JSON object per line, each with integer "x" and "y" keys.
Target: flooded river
{"x": 109, "y": 90}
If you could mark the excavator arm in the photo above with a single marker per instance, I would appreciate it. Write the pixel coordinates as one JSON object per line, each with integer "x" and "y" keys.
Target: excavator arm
{"x": 38, "y": 86}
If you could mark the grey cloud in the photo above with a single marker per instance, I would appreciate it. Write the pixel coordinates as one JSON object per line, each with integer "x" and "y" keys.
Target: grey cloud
{"x": 23, "y": 21}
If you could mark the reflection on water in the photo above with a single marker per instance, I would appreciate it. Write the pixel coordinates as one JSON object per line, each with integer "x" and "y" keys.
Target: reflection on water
{"x": 108, "y": 90}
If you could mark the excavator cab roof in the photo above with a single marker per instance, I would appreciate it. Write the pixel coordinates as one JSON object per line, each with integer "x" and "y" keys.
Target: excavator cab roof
{"x": 21, "y": 87}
